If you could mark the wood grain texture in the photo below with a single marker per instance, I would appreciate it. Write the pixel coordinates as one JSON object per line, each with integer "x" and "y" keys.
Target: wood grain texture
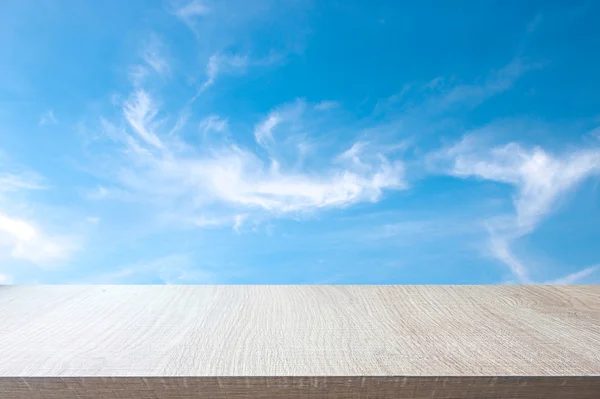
{"x": 170, "y": 331}
{"x": 300, "y": 387}
{"x": 140, "y": 342}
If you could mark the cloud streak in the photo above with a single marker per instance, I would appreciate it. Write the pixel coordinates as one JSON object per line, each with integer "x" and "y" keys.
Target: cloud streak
{"x": 225, "y": 175}
{"x": 170, "y": 269}
{"x": 152, "y": 55}
{"x": 25, "y": 241}
{"x": 540, "y": 180}
{"x": 152, "y": 61}
{"x": 576, "y": 277}
{"x": 22, "y": 239}
{"x": 140, "y": 112}
{"x": 220, "y": 64}
{"x": 48, "y": 118}
{"x": 20, "y": 181}
{"x": 187, "y": 12}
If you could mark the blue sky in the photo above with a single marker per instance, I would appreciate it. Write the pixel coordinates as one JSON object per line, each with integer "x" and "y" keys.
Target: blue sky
{"x": 299, "y": 142}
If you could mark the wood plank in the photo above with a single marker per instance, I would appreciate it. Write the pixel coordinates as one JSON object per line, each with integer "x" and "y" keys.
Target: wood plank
{"x": 506, "y": 338}
{"x": 299, "y": 387}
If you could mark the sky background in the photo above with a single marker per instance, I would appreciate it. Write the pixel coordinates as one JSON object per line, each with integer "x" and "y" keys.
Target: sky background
{"x": 293, "y": 142}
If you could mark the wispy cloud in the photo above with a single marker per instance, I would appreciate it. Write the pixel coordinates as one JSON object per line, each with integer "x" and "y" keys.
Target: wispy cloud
{"x": 26, "y": 241}
{"x": 442, "y": 97}
{"x": 93, "y": 219}
{"x": 263, "y": 133}
{"x": 234, "y": 221}
{"x": 500, "y": 248}
{"x": 21, "y": 238}
{"x": 535, "y": 23}
{"x": 213, "y": 124}
{"x": 237, "y": 180}
{"x": 153, "y": 55}
{"x": 153, "y": 59}
{"x": 221, "y": 64}
{"x": 326, "y": 105}
{"x": 170, "y": 269}
{"x": 540, "y": 178}
{"x": 474, "y": 94}
{"x": 20, "y": 181}
{"x": 576, "y": 277}
{"x": 284, "y": 117}
{"x": 48, "y": 118}
{"x": 140, "y": 112}
{"x": 188, "y": 11}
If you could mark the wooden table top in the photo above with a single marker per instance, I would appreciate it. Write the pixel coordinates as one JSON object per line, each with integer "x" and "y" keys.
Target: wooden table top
{"x": 245, "y": 331}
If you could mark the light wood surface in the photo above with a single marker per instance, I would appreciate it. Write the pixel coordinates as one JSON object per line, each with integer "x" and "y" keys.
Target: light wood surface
{"x": 162, "y": 331}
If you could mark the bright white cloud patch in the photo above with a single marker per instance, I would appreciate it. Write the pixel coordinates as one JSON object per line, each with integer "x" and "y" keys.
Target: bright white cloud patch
{"x": 5, "y": 279}
{"x": 226, "y": 175}
{"x": 274, "y": 137}
{"x": 27, "y": 242}
{"x": 23, "y": 239}
{"x": 540, "y": 179}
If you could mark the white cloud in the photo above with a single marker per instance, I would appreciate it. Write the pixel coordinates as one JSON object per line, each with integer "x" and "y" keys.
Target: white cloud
{"x": 220, "y": 64}
{"x": 48, "y": 118}
{"x": 23, "y": 239}
{"x": 27, "y": 242}
{"x": 138, "y": 75}
{"x": 171, "y": 269}
{"x": 284, "y": 115}
{"x": 263, "y": 133}
{"x": 20, "y": 181}
{"x": 100, "y": 192}
{"x": 576, "y": 277}
{"x": 97, "y": 193}
{"x": 238, "y": 177}
{"x": 233, "y": 221}
{"x": 5, "y": 279}
{"x": 140, "y": 111}
{"x": 326, "y": 105}
{"x": 540, "y": 178}
{"x": 239, "y": 221}
{"x": 153, "y": 60}
{"x": 439, "y": 98}
{"x": 190, "y": 10}
{"x": 238, "y": 180}
{"x": 500, "y": 248}
{"x": 153, "y": 56}
{"x": 471, "y": 95}
{"x": 213, "y": 123}
{"x": 212, "y": 221}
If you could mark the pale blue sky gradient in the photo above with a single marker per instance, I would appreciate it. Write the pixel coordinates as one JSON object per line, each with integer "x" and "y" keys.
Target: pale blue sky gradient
{"x": 299, "y": 142}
